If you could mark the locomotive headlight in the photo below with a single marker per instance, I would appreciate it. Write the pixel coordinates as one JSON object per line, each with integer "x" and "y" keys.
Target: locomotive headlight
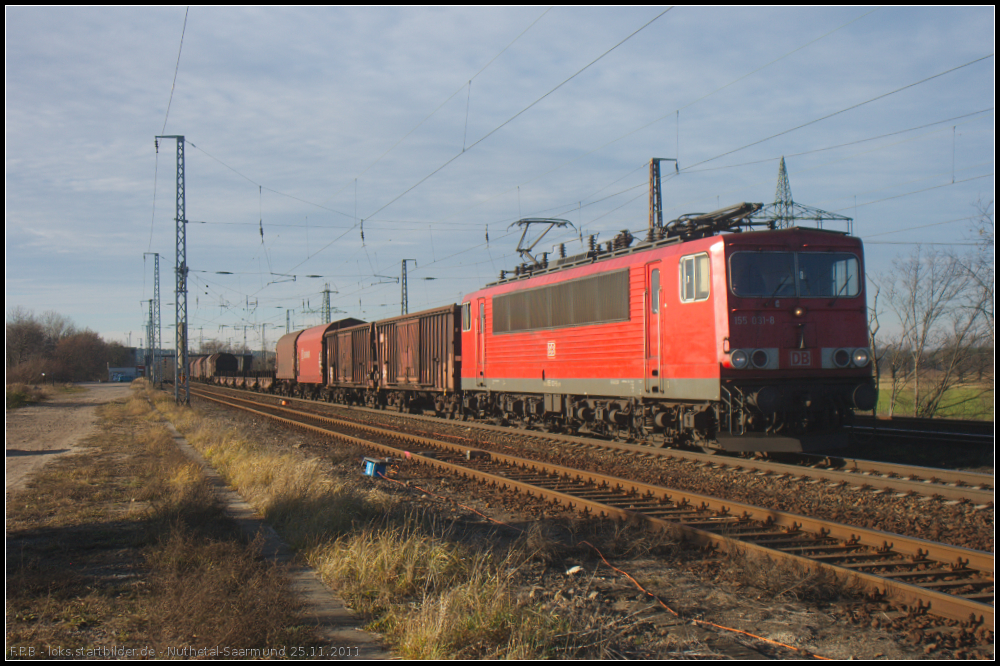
{"x": 861, "y": 357}
{"x": 759, "y": 358}
{"x": 739, "y": 359}
{"x": 841, "y": 358}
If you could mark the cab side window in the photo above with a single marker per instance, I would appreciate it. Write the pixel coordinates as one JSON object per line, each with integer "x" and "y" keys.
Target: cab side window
{"x": 695, "y": 278}
{"x": 466, "y": 316}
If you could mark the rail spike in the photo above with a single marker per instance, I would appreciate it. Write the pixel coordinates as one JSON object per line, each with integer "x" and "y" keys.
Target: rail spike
{"x": 918, "y": 609}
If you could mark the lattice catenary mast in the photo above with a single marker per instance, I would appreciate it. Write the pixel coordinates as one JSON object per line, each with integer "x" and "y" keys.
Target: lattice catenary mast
{"x": 784, "y": 211}
{"x": 156, "y": 337}
{"x": 182, "y": 388}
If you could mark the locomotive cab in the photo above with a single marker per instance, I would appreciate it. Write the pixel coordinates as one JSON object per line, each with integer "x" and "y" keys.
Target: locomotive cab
{"x": 794, "y": 353}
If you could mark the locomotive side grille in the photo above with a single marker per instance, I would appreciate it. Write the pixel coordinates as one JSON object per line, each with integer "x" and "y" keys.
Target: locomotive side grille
{"x": 597, "y": 299}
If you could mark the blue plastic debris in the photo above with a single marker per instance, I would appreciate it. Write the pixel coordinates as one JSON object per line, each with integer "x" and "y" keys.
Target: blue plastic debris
{"x": 374, "y": 467}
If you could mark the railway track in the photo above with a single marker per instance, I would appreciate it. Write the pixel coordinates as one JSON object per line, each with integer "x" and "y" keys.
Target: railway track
{"x": 923, "y": 576}
{"x": 965, "y": 433}
{"x": 849, "y": 473}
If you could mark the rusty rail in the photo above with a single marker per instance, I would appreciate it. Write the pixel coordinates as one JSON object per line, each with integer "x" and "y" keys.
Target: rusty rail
{"x": 842, "y": 550}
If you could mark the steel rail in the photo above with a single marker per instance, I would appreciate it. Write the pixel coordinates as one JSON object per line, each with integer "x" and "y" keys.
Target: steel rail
{"x": 897, "y": 433}
{"x": 903, "y": 552}
{"x": 929, "y": 425}
{"x": 930, "y": 477}
{"x": 889, "y": 477}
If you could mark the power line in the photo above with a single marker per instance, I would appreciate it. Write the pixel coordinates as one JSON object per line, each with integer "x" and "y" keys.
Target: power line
{"x": 837, "y": 113}
{"x": 483, "y": 138}
{"x": 926, "y": 189}
{"x": 516, "y": 115}
{"x": 176, "y": 69}
{"x": 450, "y": 97}
{"x": 604, "y": 198}
{"x": 909, "y": 182}
{"x": 269, "y": 189}
{"x": 844, "y": 145}
{"x": 661, "y": 118}
{"x": 164, "y": 131}
{"x": 922, "y": 226}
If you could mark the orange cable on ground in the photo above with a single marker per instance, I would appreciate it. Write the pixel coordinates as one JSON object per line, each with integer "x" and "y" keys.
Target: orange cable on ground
{"x": 702, "y": 622}
{"x": 624, "y": 573}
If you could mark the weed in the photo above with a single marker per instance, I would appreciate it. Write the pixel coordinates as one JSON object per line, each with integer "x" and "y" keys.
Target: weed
{"x": 405, "y": 574}
{"x": 19, "y": 395}
{"x": 126, "y": 545}
{"x": 782, "y": 579}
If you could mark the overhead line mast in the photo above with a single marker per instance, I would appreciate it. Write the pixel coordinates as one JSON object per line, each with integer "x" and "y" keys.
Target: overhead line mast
{"x": 655, "y": 193}
{"x": 156, "y": 338}
{"x": 182, "y": 389}
{"x": 784, "y": 212}
{"x": 404, "y": 296}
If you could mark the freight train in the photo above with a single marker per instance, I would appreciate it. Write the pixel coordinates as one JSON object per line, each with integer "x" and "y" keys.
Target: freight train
{"x": 744, "y": 341}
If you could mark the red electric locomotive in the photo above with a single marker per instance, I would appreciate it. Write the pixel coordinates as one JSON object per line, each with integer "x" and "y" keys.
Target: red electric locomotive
{"x": 753, "y": 341}
{"x": 748, "y": 341}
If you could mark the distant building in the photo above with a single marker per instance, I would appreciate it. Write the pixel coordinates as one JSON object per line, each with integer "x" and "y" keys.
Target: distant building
{"x": 123, "y": 374}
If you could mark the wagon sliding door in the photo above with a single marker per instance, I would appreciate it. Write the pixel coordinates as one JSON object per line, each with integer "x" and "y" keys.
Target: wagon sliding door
{"x": 408, "y": 352}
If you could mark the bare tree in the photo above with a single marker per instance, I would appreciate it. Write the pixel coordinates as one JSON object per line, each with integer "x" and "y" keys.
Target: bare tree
{"x": 981, "y": 268}
{"x": 938, "y": 303}
{"x": 873, "y": 328}
{"x": 212, "y": 347}
{"x": 51, "y": 347}
{"x": 56, "y": 328}
{"x": 25, "y": 337}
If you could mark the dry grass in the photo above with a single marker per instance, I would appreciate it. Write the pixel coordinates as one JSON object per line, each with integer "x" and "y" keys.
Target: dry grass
{"x": 430, "y": 595}
{"x": 293, "y": 493}
{"x": 125, "y": 546}
{"x": 779, "y": 579}
{"x": 19, "y": 395}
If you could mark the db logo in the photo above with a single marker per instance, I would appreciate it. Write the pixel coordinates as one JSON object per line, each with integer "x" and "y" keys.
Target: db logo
{"x": 800, "y": 358}
{"x": 552, "y": 349}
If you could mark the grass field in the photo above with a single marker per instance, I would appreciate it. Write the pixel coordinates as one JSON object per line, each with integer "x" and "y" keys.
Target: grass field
{"x": 963, "y": 402}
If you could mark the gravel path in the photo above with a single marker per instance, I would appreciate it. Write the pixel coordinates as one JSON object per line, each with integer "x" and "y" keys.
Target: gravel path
{"x": 38, "y": 433}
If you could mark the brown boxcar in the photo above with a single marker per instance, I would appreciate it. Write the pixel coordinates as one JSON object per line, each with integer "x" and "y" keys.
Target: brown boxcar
{"x": 419, "y": 362}
{"x": 420, "y": 350}
{"x": 352, "y": 355}
{"x": 312, "y": 354}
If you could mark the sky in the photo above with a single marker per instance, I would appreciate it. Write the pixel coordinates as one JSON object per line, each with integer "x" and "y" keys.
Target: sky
{"x": 325, "y": 146}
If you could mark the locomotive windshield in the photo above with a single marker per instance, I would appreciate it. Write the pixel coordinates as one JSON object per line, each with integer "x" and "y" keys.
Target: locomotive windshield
{"x": 789, "y": 274}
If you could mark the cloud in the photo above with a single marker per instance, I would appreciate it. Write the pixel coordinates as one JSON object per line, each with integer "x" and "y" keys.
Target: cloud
{"x": 290, "y": 114}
